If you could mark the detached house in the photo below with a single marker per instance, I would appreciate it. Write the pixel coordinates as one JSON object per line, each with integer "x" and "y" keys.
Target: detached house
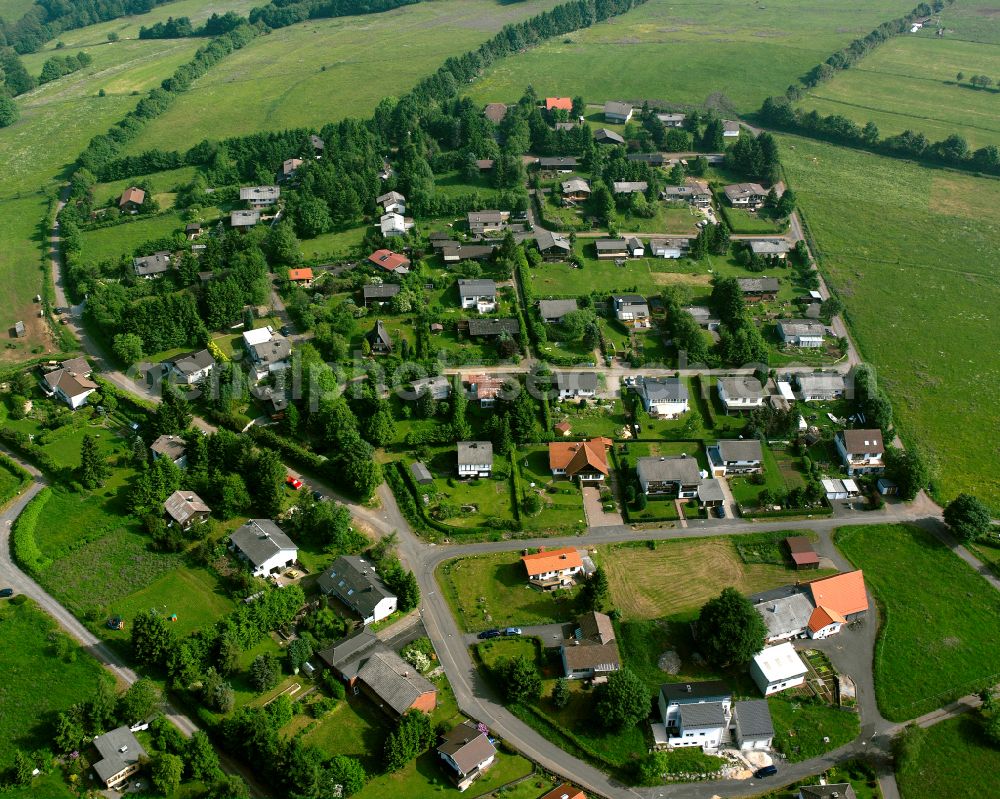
{"x": 378, "y": 293}
{"x": 861, "y": 451}
{"x": 631, "y": 309}
{"x": 475, "y": 458}
{"x": 131, "y": 200}
{"x": 629, "y": 187}
{"x": 745, "y": 195}
{"x": 777, "y": 668}
{"x": 121, "y": 756}
{"x": 487, "y": 223}
{"x": 288, "y": 168}
{"x": 354, "y": 581}
{"x": 694, "y": 191}
{"x": 770, "y": 248}
{"x": 301, "y": 277}
{"x": 479, "y": 294}
{"x": 565, "y": 791}
{"x": 558, "y": 103}
{"x": 611, "y": 249}
{"x": 70, "y": 382}
{"x": 393, "y": 224}
{"x": 264, "y": 545}
{"x": 605, "y": 136}
{"x": 556, "y": 568}
{"x": 836, "y": 790}
{"x": 585, "y": 461}
{"x": 485, "y": 389}
{"x": 801, "y": 333}
{"x": 392, "y": 202}
{"x": 467, "y": 752}
{"x": 553, "y": 311}
{"x": 736, "y": 456}
{"x": 186, "y": 509}
{"x": 552, "y": 246}
{"x": 668, "y": 248}
{"x": 152, "y": 266}
{"x": 617, "y": 113}
{"x": 759, "y": 289}
{"x": 394, "y": 685}
{"x": 815, "y": 610}
{"x": 559, "y": 163}
{"x": 174, "y": 448}
{"x": 269, "y": 351}
{"x": 390, "y": 261}
{"x": 576, "y": 190}
{"x": 694, "y": 714}
{"x": 378, "y": 339}
{"x": 740, "y": 393}
{"x": 259, "y": 196}
{"x": 730, "y": 129}
{"x": 495, "y": 112}
{"x": 593, "y": 650}
{"x": 576, "y": 385}
{"x": 671, "y": 477}
{"x": 821, "y": 387}
{"x": 672, "y": 120}
{"x": 663, "y": 397}
{"x": 193, "y": 368}
{"x": 243, "y": 220}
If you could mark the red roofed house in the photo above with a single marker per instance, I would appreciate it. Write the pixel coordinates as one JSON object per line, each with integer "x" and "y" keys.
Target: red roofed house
{"x": 586, "y": 461}
{"x": 131, "y": 200}
{"x": 485, "y": 389}
{"x": 559, "y": 103}
{"x": 825, "y": 622}
{"x": 565, "y": 791}
{"x": 838, "y": 599}
{"x": 803, "y": 554}
{"x": 301, "y": 277}
{"x": 553, "y": 569}
{"x": 563, "y": 428}
{"x": 389, "y": 260}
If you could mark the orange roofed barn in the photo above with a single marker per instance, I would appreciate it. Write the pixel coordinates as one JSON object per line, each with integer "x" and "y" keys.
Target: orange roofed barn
{"x": 565, "y": 791}
{"x": 586, "y": 460}
{"x": 553, "y": 569}
{"x": 838, "y": 599}
{"x": 560, "y": 103}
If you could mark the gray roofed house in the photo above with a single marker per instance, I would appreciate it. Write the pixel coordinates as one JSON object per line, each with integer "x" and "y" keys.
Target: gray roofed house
{"x": 575, "y": 187}
{"x": 69, "y": 382}
{"x": 616, "y": 112}
{"x": 697, "y": 715}
{"x": 397, "y": 683}
{"x": 474, "y": 288}
{"x": 745, "y": 195}
{"x": 347, "y": 655}
{"x": 560, "y": 162}
{"x": 554, "y": 310}
{"x": 474, "y": 458}
{"x": 264, "y": 545}
{"x": 663, "y": 396}
{"x": 754, "y": 729}
{"x": 121, "y": 756}
{"x": 482, "y": 222}
{"x": 740, "y": 393}
{"x": 354, "y": 581}
{"x": 495, "y": 112}
{"x": 379, "y": 292}
{"x": 593, "y": 649}
{"x": 270, "y": 355}
{"x": 785, "y": 611}
{"x": 758, "y": 285}
{"x": 747, "y": 449}
{"x": 552, "y": 245}
{"x": 704, "y": 317}
{"x": 378, "y": 338}
{"x": 317, "y": 143}
{"x": 468, "y": 752}
{"x": 801, "y": 332}
{"x": 490, "y": 328}
{"x": 631, "y": 308}
{"x": 611, "y": 248}
{"x": 244, "y": 219}
{"x": 821, "y": 386}
{"x": 259, "y": 196}
{"x": 439, "y": 387}
{"x": 605, "y": 136}
{"x": 194, "y": 366}
{"x": 730, "y": 127}
{"x": 150, "y": 266}
{"x": 674, "y": 476}
{"x": 776, "y": 247}
{"x": 836, "y": 790}
{"x": 421, "y": 474}
{"x": 576, "y": 384}
{"x": 629, "y": 186}
{"x": 172, "y": 447}
{"x": 710, "y": 493}
{"x": 452, "y": 253}
{"x": 672, "y": 120}
{"x": 186, "y": 508}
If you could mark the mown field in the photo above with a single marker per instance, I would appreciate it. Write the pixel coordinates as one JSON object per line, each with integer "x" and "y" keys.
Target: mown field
{"x": 955, "y": 762}
{"x": 940, "y": 636}
{"x": 913, "y": 253}
{"x": 975, "y": 21}
{"x": 682, "y": 52}
{"x": 910, "y": 84}
{"x": 324, "y": 70}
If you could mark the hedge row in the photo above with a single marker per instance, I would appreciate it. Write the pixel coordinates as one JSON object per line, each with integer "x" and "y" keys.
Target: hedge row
{"x": 24, "y": 548}
{"x": 19, "y": 472}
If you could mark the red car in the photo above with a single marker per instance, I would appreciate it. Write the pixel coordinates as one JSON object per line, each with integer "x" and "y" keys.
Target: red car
{"x": 294, "y": 482}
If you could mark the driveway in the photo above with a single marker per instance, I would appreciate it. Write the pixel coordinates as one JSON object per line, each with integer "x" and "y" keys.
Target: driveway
{"x": 551, "y": 635}
{"x": 594, "y": 508}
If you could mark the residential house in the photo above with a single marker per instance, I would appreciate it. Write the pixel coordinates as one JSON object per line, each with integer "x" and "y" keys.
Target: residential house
{"x": 771, "y": 248}
{"x": 558, "y": 103}
{"x": 671, "y": 120}
{"x": 152, "y": 266}
{"x": 611, "y": 249}
{"x": 676, "y": 476}
{"x": 438, "y": 387}
{"x": 552, "y": 311}
{"x": 552, "y": 246}
{"x": 174, "y": 448}
{"x": 592, "y": 652}
{"x": 192, "y": 230}
{"x": 288, "y": 169}
{"x": 393, "y": 224}
{"x": 70, "y": 382}
{"x": 273, "y": 398}
{"x": 635, "y": 247}
{"x": 475, "y": 458}
{"x": 736, "y": 456}
{"x": 390, "y": 261}
{"x": 186, "y": 509}
{"x": 821, "y": 387}
{"x": 264, "y": 545}
{"x": 631, "y": 309}
{"x": 802, "y": 552}
{"x": 745, "y": 195}
{"x": 20, "y": 331}
{"x": 456, "y": 252}
{"x": 777, "y": 668}
{"x": 704, "y": 317}
{"x": 861, "y": 451}
{"x": 629, "y": 186}
{"x": 836, "y": 790}
{"x": 131, "y": 200}
{"x": 555, "y": 568}
{"x": 495, "y": 112}
{"x": 479, "y": 294}
{"x": 395, "y": 685}
{"x": 605, "y": 136}
{"x": 565, "y": 791}
{"x": 485, "y": 389}
{"x": 695, "y": 192}
{"x": 378, "y": 339}
{"x": 694, "y": 714}
{"x": 752, "y": 725}
{"x": 439, "y": 240}
{"x": 565, "y": 126}
{"x": 468, "y": 752}
{"x": 616, "y": 113}
{"x": 269, "y": 351}
{"x": 801, "y": 333}
{"x": 259, "y": 196}
{"x": 668, "y": 248}
{"x": 559, "y": 163}
{"x": 493, "y": 328}
{"x": 243, "y": 220}
{"x": 653, "y": 159}
{"x": 487, "y": 223}
{"x": 378, "y": 293}
{"x": 421, "y": 474}
{"x": 392, "y": 202}
{"x": 301, "y": 277}
{"x": 484, "y": 164}
{"x": 354, "y": 581}
{"x": 710, "y": 493}
{"x": 786, "y": 612}
{"x": 583, "y": 461}
{"x": 346, "y": 656}
{"x": 317, "y": 144}
{"x": 758, "y": 289}
{"x": 730, "y": 129}
{"x": 663, "y": 397}
{"x": 121, "y": 756}
{"x": 740, "y": 393}
{"x": 842, "y": 593}
{"x": 575, "y": 190}
{"x": 815, "y": 610}
{"x": 576, "y": 385}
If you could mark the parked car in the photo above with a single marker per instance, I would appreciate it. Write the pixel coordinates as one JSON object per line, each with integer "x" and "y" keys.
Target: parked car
{"x": 766, "y": 771}
{"x": 318, "y": 496}
{"x": 720, "y": 511}
{"x": 489, "y": 634}
{"x": 293, "y": 482}
{"x": 285, "y": 330}
{"x": 5, "y": 592}
{"x": 512, "y": 631}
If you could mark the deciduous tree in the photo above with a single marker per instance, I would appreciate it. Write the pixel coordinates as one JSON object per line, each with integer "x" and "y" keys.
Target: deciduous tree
{"x": 730, "y": 630}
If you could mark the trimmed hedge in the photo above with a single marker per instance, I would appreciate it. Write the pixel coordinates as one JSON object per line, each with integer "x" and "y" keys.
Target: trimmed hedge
{"x": 24, "y": 548}
{"x": 15, "y": 469}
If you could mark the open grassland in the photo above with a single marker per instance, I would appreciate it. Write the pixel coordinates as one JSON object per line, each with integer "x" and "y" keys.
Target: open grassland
{"x": 975, "y": 21}
{"x": 940, "y": 636}
{"x": 955, "y": 762}
{"x": 909, "y": 84}
{"x": 37, "y": 680}
{"x": 913, "y": 253}
{"x": 682, "y": 52}
{"x": 118, "y": 240}
{"x": 324, "y": 70}
{"x": 13, "y": 10}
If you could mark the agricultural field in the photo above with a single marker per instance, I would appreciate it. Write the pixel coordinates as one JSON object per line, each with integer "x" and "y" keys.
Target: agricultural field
{"x": 910, "y": 84}
{"x": 970, "y": 22}
{"x": 954, "y": 762}
{"x": 912, "y": 256}
{"x": 940, "y": 636}
{"x": 683, "y": 52}
{"x": 321, "y": 71}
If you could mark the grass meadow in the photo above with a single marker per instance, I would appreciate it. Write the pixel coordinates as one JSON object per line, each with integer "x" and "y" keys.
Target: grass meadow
{"x": 324, "y": 70}
{"x": 912, "y": 252}
{"x": 970, "y": 22}
{"x": 955, "y": 761}
{"x": 940, "y": 636}
{"x": 682, "y": 52}
{"x": 909, "y": 84}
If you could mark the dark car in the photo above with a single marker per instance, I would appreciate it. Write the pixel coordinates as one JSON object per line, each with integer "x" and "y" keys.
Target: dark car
{"x": 318, "y": 496}
{"x": 489, "y": 634}
{"x": 766, "y": 771}
{"x": 720, "y": 511}
{"x": 285, "y": 330}
{"x": 4, "y": 592}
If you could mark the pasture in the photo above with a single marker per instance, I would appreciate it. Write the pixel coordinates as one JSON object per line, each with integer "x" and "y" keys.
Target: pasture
{"x": 940, "y": 636}
{"x": 912, "y": 252}
{"x": 970, "y": 22}
{"x": 325, "y": 70}
{"x": 683, "y": 52}
{"x": 955, "y": 761}
{"x": 910, "y": 84}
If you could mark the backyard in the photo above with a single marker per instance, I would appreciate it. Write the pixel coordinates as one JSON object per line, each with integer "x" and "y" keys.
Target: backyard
{"x": 801, "y": 724}
{"x": 466, "y": 503}
{"x": 561, "y": 500}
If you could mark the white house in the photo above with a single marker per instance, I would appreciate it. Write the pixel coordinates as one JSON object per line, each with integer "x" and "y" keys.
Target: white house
{"x": 480, "y": 294}
{"x": 736, "y": 456}
{"x": 631, "y": 309}
{"x": 668, "y": 248}
{"x": 393, "y": 224}
{"x": 776, "y": 668}
{"x": 801, "y": 333}
{"x": 576, "y": 385}
{"x": 392, "y": 203}
{"x": 663, "y": 397}
{"x": 467, "y": 752}
{"x": 730, "y": 129}
{"x": 636, "y": 249}
{"x": 194, "y": 367}
{"x": 71, "y": 382}
{"x": 694, "y": 714}
{"x": 475, "y": 458}
{"x": 861, "y": 451}
{"x": 264, "y": 545}
{"x": 354, "y": 581}
{"x": 260, "y": 196}
{"x": 821, "y": 387}
{"x": 617, "y": 113}
{"x": 675, "y": 476}
{"x": 741, "y": 393}
{"x": 269, "y": 351}
{"x": 771, "y": 248}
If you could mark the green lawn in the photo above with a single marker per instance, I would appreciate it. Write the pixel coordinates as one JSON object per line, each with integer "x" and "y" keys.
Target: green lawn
{"x": 745, "y": 490}
{"x": 988, "y": 551}
{"x": 562, "y": 500}
{"x": 36, "y": 681}
{"x": 860, "y": 775}
{"x": 355, "y": 728}
{"x": 800, "y": 727}
{"x": 467, "y": 503}
{"x": 743, "y": 221}
{"x": 940, "y": 636}
{"x": 912, "y": 255}
{"x": 118, "y": 240}
{"x": 425, "y": 778}
{"x": 598, "y": 418}
{"x": 493, "y": 591}
{"x": 954, "y": 762}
